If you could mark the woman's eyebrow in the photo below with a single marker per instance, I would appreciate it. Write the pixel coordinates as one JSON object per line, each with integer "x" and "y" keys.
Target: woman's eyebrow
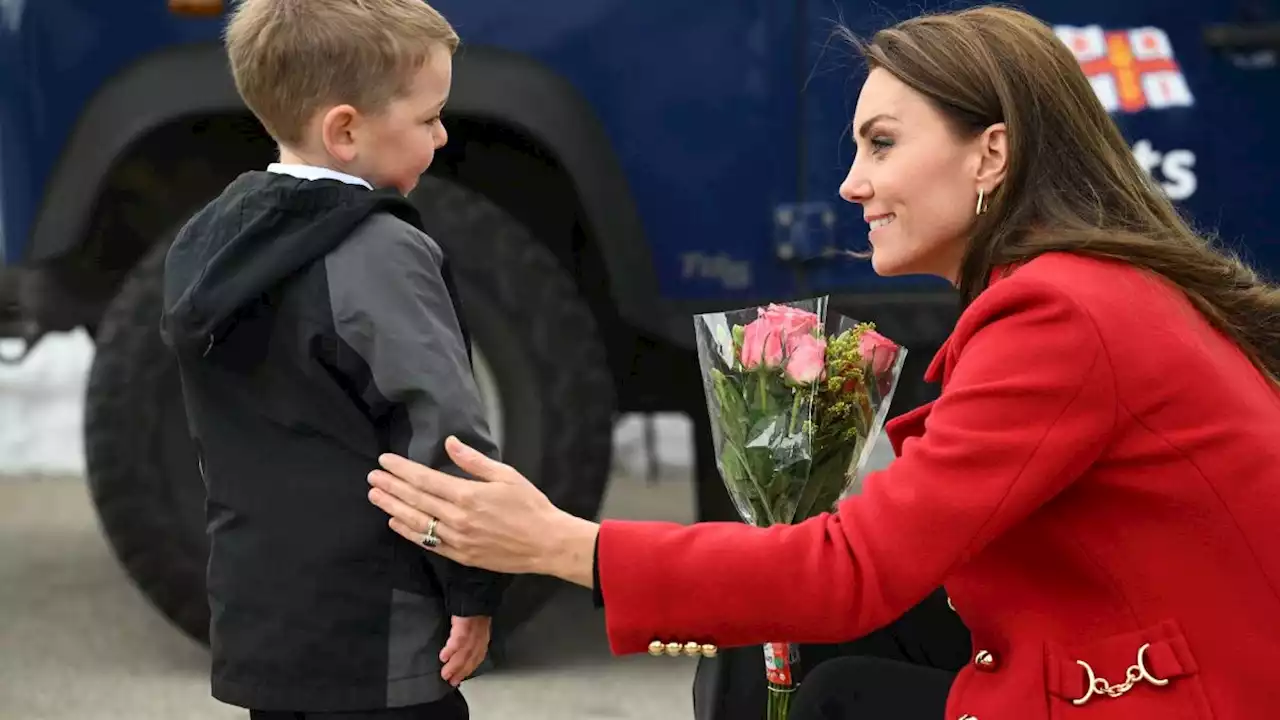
{"x": 866, "y": 126}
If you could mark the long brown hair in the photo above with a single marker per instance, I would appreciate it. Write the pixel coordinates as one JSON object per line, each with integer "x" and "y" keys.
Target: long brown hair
{"x": 1072, "y": 183}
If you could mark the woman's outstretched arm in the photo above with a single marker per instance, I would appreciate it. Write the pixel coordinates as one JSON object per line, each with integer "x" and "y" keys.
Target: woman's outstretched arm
{"x": 1028, "y": 404}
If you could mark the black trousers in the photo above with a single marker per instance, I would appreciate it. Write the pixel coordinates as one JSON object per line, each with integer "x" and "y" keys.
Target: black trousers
{"x": 902, "y": 671}
{"x": 872, "y": 688}
{"x": 451, "y": 707}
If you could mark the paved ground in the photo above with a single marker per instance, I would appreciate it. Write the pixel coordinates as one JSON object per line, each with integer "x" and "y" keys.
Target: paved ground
{"x": 77, "y": 642}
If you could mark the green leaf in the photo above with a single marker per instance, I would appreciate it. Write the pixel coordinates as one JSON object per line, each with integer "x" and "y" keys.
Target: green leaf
{"x": 760, "y": 467}
{"x": 734, "y": 471}
{"x": 733, "y": 415}
{"x": 826, "y": 482}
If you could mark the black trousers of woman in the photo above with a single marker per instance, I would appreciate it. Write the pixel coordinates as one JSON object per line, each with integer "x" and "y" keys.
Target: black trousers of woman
{"x": 902, "y": 671}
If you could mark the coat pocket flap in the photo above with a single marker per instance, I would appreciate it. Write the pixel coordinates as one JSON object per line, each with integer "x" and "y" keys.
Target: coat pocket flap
{"x": 1114, "y": 666}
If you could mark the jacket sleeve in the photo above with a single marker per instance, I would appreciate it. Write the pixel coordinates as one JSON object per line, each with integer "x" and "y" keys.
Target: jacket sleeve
{"x": 402, "y": 346}
{"x": 1028, "y": 407}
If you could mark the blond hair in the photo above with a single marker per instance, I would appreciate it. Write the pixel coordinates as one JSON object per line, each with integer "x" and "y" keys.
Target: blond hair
{"x": 290, "y": 58}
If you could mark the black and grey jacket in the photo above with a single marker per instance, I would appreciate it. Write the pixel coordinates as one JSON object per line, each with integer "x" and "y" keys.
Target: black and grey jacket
{"x": 316, "y": 327}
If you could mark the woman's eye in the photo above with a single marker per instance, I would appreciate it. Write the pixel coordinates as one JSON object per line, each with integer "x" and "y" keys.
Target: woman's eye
{"x": 880, "y": 143}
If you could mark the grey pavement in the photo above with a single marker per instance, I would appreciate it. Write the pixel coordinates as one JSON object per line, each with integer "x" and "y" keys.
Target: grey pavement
{"x": 78, "y": 642}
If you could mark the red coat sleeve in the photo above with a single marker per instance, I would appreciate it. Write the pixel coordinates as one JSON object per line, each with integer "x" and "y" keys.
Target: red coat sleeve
{"x": 1027, "y": 406}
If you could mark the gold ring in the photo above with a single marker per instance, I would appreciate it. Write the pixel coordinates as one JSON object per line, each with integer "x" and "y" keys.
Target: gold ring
{"x": 430, "y": 539}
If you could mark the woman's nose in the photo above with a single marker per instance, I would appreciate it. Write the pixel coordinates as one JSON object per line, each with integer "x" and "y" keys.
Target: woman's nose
{"x": 855, "y": 189}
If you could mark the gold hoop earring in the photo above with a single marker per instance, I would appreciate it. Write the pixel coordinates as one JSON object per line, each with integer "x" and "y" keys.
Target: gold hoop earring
{"x": 981, "y": 206}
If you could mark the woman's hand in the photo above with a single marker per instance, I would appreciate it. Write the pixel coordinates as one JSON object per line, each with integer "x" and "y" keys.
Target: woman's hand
{"x": 501, "y": 523}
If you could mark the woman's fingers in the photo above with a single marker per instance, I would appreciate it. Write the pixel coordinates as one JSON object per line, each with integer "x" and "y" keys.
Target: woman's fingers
{"x": 415, "y": 536}
{"x": 410, "y": 498}
{"x": 476, "y": 463}
{"x": 408, "y": 533}
{"x": 428, "y": 480}
{"x": 414, "y": 522}
{"x": 413, "y": 519}
{"x": 499, "y": 525}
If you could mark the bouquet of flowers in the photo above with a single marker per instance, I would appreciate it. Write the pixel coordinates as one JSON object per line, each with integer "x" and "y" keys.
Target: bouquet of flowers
{"x": 797, "y": 402}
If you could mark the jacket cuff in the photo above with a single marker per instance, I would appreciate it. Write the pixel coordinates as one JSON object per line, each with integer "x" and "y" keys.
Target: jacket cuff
{"x": 474, "y": 593}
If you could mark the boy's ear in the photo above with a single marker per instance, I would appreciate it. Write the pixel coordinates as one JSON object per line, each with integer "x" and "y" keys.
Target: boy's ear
{"x": 337, "y": 129}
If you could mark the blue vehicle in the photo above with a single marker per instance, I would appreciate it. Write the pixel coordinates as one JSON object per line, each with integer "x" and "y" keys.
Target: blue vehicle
{"x": 613, "y": 168}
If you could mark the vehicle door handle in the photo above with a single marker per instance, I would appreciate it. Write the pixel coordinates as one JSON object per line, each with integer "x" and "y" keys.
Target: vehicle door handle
{"x": 1243, "y": 36}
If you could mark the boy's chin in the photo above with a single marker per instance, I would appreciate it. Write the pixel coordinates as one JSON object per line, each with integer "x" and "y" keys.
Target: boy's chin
{"x": 404, "y": 187}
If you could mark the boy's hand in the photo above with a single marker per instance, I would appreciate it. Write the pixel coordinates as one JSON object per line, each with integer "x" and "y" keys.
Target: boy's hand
{"x": 467, "y": 646}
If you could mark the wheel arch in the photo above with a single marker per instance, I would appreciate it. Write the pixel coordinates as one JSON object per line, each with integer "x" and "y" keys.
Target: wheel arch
{"x": 492, "y": 87}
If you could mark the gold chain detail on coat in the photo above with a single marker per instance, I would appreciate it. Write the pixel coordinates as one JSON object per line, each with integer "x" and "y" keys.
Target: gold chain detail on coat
{"x": 1136, "y": 673}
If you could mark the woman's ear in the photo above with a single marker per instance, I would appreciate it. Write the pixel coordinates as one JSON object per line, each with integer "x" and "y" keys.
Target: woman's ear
{"x": 993, "y": 162}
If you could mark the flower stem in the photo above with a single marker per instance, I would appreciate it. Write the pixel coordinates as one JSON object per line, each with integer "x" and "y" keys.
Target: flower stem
{"x": 782, "y": 682}
{"x": 795, "y": 414}
{"x": 764, "y": 500}
{"x": 764, "y": 393}
{"x": 779, "y": 705}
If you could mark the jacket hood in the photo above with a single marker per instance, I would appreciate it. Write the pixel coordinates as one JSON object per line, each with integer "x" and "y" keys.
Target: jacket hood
{"x": 263, "y": 228}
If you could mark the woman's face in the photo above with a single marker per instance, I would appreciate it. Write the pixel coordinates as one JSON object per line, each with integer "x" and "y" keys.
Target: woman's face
{"x": 916, "y": 180}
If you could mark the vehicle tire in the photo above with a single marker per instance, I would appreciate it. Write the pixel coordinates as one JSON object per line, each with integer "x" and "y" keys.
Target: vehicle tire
{"x": 143, "y": 475}
{"x": 141, "y": 463}
{"x": 533, "y": 334}
{"x": 536, "y": 334}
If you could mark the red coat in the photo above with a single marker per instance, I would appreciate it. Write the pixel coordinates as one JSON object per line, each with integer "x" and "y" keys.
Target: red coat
{"x": 1100, "y": 472}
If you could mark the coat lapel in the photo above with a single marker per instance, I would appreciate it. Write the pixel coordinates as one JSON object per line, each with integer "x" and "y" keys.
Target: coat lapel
{"x": 911, "y": 424}
{"x": 906, "y": 426}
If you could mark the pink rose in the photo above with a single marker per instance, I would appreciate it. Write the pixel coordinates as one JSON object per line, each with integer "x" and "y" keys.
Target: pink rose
{"x": 807, "y": 359}
{"x": 878, "y": 350}
{"x": 760, "y": 342}
{"x": 777, "y": 328}
{"x": 789, "y": 321}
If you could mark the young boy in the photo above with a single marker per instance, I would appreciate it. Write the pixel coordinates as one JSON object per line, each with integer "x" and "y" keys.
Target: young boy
{"x": 316, "y": 327}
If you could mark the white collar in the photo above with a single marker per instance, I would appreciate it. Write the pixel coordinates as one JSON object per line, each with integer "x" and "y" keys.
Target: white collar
{"x": 313, "y": 172}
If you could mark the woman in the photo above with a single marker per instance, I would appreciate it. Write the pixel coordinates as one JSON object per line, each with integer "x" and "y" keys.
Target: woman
{"x": 1097, "y": 486}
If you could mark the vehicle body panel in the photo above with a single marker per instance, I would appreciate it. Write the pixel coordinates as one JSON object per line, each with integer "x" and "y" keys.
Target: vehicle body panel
{"x": 728, "y": 118}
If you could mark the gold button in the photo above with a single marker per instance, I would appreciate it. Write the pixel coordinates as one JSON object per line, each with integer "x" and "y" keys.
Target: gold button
{"x": 985, "y": 660}
{"x": 673, "y": 649}
{"x": 708, "y": 651}
{"x": 655, "y": 647}
{"x": 953, "y": 607}
{"x": 692, "y": 648}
